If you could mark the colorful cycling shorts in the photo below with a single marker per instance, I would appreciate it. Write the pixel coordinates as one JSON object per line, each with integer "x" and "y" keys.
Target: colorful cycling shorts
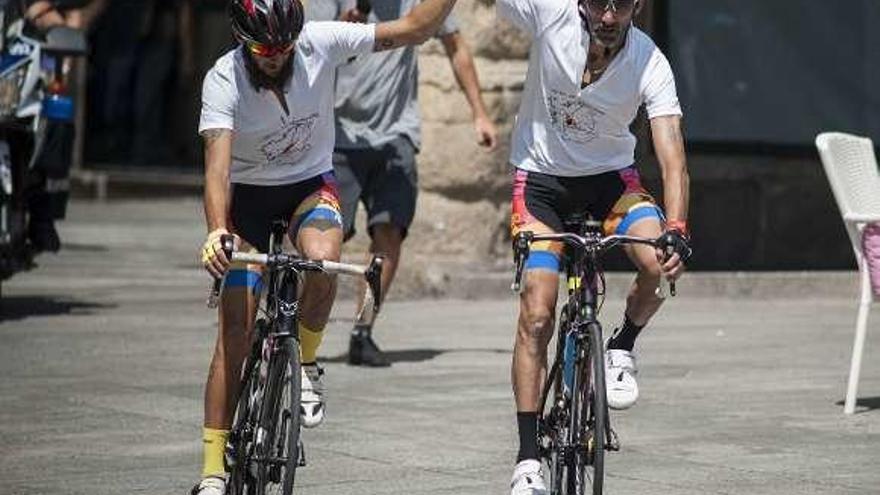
{"x": 542, "y": 202}
{"x": 312, "y": 201}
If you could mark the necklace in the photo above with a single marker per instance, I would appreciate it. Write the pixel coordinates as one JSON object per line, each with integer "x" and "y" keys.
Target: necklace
{"x": 591, "y": 74}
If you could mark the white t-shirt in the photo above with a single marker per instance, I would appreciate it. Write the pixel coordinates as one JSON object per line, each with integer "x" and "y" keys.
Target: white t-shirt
{"x": 270, "y": 147}
{"x": 564, "y": 130}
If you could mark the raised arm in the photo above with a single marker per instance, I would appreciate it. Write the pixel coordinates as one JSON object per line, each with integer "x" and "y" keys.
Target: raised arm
{"x": 414, "y": 28}
{"x": 466, "y": 75}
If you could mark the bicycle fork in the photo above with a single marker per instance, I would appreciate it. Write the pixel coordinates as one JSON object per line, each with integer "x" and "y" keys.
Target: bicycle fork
{"x": 576, "y": 350}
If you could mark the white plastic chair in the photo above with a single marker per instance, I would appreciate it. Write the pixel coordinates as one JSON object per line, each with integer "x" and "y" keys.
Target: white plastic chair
{"x": 851, "y": 167}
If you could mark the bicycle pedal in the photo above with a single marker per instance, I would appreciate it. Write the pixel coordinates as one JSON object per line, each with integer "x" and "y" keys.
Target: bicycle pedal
{"x": 613, "y": 443}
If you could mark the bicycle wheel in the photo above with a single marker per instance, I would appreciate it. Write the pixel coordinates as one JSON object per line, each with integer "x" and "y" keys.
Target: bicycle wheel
{"x": 551, "y": 432}
{"x": 590, "y": 409}
{"x": 279, "y": 443}
{"x": 240, "y": 445}
{"x": 553, "y": 422}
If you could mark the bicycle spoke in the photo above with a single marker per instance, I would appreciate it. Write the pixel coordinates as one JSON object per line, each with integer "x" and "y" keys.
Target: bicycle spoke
{"x": 282, "y": 447}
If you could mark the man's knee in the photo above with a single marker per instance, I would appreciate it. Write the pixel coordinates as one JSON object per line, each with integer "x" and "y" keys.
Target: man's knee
{"x": 323, "y": 249}
{"x": 649, "y": 269}
{"x": 536, "y": 326}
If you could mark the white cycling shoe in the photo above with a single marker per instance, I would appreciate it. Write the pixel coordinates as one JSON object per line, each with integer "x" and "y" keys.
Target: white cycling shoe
{"x": 527, "y": 479}
{"x": 620, "y": 379}
{"x": 212, "y": 485}
{"x": 312, "y": 401}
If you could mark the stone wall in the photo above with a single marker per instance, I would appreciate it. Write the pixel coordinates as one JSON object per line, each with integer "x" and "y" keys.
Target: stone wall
{"x": 465, "y": 187}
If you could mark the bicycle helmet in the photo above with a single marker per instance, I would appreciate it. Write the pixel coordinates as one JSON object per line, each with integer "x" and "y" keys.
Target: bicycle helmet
{"x": 271, "y": 23}
{"x": 267, "y": 28}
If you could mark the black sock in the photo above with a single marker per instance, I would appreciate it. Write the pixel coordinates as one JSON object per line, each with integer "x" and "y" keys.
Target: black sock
{"x": 625, "y": 336}
{"x": 528, "y": 435}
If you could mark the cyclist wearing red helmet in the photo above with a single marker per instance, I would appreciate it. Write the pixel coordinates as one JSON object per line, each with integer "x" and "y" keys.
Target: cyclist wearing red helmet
{"x": 589, "y": 72}
{"x": 267, "y": 124}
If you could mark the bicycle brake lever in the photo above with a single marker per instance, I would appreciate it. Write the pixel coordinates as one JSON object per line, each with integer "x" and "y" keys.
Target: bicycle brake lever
{"x": 373, "y": 275}
{"x": 521, "y": 246}
{"x": 227, "y": 242}
{"x": 670, "y": 251}
{"x": 660, "y": 292}
{"x": 516, "y": 286}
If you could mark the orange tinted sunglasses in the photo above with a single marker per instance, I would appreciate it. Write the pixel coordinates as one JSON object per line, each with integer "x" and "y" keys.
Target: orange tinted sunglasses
{"x": 262, "y": 50}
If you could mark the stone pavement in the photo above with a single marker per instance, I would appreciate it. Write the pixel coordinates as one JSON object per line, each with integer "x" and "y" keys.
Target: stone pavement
{"x": 106, "y": 346}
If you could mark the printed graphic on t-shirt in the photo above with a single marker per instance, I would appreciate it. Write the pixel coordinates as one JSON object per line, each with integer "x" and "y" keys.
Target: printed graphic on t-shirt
{"x": 572, "y": 117}
{"x": 294, "y": 137}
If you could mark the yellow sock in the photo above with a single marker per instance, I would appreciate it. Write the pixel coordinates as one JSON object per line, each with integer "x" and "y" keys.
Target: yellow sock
{"x": 214, "y": 448}
{"x": 309, "y": 340}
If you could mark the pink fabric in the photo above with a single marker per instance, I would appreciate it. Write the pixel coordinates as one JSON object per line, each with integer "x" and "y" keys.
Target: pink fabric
{"x": 871, "y": 248}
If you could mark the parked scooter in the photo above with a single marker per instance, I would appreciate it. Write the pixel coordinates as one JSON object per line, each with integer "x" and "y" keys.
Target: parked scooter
{"x": 33, "y": 107}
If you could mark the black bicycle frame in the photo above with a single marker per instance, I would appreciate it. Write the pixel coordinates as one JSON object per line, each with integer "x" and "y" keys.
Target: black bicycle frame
{"x": 282, "y": 298}
{"x": 582, "y": 279}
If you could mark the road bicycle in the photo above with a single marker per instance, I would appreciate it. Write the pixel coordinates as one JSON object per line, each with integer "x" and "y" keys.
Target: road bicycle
{"x": 264, "y": 447}
{"x": 574, "y": 428}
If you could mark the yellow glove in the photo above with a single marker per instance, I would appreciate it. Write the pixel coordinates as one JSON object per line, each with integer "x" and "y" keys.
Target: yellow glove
{"x": 213, "y": 257}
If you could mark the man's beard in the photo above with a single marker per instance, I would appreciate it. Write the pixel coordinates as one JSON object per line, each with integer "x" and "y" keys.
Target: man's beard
{"x": 261, "y": 80}
{"x": 612, "y": 46}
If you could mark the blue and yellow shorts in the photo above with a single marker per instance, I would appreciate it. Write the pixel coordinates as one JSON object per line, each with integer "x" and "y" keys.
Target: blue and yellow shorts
{"x": 542, "y": 202}
{"x": 312, "y": 201}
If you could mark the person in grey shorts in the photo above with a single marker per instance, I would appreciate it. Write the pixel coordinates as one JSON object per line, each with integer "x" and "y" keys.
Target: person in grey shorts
{"x": 378, "y": 136}
{"x": 384, "y": 178}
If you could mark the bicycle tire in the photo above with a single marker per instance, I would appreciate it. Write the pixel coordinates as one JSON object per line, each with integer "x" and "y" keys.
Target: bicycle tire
{"x": 239, "y": 451}
{"x": 551, "y": 425}
{"x": 280, "y": 419}
{"x": 591, "y": 410}
{"x": 550, "y": 436}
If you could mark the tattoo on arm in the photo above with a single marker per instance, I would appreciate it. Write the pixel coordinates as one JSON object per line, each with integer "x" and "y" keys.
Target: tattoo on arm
{"x": 384, "y": 44}
{"x": 671, "y": 135}
{"x": 211, "y": 135}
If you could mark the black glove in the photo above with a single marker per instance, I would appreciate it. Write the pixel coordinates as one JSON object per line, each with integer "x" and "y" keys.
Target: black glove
{"x": 674, "y": 241}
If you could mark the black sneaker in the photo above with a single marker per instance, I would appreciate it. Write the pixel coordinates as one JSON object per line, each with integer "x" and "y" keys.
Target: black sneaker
{"x": 44, "y": 237}
{"x": 363, "y": 351}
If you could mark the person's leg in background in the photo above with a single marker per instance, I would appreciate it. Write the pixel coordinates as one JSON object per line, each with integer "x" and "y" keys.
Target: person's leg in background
{"x": 356, "y": 171}
{"x": 153, "y": 89}
{"x": 390, "y": 197}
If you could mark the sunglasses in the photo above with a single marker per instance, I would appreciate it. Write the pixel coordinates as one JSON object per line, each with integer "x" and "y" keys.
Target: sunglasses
{"x": 261, "y": 50}
{"x": 613, "y": 5}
